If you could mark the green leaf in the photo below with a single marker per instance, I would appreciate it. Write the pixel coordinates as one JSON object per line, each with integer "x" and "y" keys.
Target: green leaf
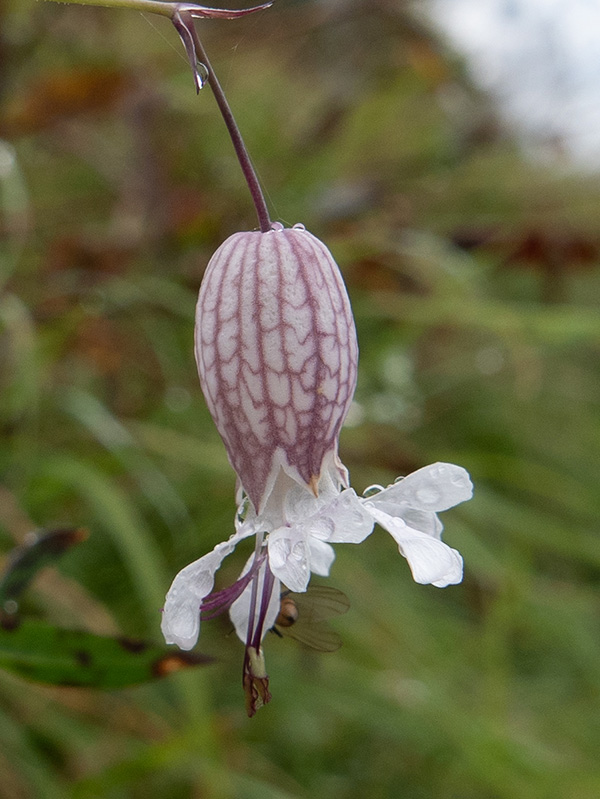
{"x": 25, "y": 561}
{"x": 43, "y": 653}
{"x": 121, "y": 520}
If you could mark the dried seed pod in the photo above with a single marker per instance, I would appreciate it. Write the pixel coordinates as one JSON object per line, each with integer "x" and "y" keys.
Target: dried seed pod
{"x": 277, "y": 354}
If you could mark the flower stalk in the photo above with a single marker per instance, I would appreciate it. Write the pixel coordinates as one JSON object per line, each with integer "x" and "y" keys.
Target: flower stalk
{"x": 184, "y": 25}
{"x": 166, "y": 9}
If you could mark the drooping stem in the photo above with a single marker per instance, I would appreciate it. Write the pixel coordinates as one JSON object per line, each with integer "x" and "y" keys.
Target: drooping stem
{"x": 184, "y": 19}
{"x": 150, "y": 6}
{"x": 168, "y": 9}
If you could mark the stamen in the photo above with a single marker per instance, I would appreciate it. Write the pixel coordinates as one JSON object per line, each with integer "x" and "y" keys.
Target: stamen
{"x": 219, "y": 601}
{"x": 254, "y": 590}
{"x": 267, "y": 590}
{"x": 252, "y": 612}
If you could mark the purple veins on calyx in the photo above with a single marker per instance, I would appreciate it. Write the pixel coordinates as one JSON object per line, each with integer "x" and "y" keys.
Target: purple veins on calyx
{"x": 277, "y": 354}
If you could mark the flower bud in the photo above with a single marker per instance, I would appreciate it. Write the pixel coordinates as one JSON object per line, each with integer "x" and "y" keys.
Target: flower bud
{"x": 277, "y": 354}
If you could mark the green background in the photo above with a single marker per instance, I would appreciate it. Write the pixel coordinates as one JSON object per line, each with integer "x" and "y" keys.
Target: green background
{"x": 474, "y": 280}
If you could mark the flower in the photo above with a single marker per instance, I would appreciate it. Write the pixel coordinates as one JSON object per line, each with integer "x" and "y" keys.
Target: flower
{"x": 277, "y": 358}
{"x": 277, "y": 354}
{"x": 408, "y": 510}
{"x": 299, "y": 542}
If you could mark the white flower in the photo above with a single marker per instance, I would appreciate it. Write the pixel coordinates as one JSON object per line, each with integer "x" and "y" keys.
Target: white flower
{"x": 277, "y": 358}
{"x": 408, "y": 510}
{"x": 181, "y": 612}
{"x": 300, "y": 529}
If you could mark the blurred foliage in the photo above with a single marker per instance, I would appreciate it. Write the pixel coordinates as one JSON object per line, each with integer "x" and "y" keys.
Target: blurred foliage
{"x": 474, "y": 278}
{"x": 55, "y": 655}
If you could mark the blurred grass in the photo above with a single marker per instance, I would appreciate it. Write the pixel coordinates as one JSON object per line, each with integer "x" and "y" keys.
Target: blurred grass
{"x": 116, "y": 185}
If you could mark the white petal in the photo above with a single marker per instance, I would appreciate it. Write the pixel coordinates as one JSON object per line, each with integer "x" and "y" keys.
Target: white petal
{"x": 321, "y": 556}
{"x": 350, "y": 522}
{"x": 433, "y": 488}
{"x": 181, "y": 613}
{"x": 239, "y": 612}
{"x": 299, "y": 503}
{"x": 425, "y": 521}
{"x": 430, "y": 560}
{"x": 433, "y": 562}
{"x": 289, "y": 556}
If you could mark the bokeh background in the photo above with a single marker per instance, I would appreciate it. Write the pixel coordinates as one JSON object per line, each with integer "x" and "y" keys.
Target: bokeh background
{"x": 473, "y": 269}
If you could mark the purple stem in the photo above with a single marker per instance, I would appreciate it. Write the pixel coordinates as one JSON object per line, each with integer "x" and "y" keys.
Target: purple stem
{"x": 243, "y": 157}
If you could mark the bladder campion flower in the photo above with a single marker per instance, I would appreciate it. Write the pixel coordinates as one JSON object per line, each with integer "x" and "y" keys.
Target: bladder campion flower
{"x": 277, "y": 355}
{"x": 276, "y": 349}
{"x": 277, "y": 358}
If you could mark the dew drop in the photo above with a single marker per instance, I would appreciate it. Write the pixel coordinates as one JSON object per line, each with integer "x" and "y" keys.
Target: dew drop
{"x": 326, "y": 529}
{"x": 242, "y": 511}
{"x": 10, "y": 606}
{"x": 428, "y": 496}
{"x": 372, "y": 490}
{"x": 298, "y": 553}
{"x": 299, "y": 226}
{"x": 201, "y": 74}
{"x": 276, "y": 226}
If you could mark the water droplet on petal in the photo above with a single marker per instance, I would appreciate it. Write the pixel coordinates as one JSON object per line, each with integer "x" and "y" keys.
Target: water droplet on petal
{"x": 242, "y": 511}
{"x": 428, "y": 496}
{"x": 372, "y": 490}
{"x": 324, "y": 530}
{"x": 299, "y": 226}
{"x": 276, "y": 226}
{"x": 399, "y": 479}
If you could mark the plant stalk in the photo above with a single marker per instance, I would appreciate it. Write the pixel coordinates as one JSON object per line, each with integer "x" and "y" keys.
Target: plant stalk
{"x": 241, "y": 152}
{"x": 150, "y": 6}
